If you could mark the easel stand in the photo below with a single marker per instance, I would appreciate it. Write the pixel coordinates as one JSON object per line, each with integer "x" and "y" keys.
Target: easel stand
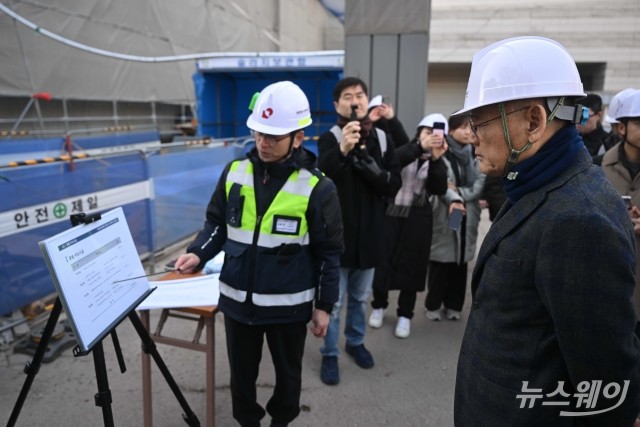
{"x": 103, "y": 397}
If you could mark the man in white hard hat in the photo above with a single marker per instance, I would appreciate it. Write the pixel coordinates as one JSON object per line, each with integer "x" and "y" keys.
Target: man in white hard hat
{"x": 360, "y": 159}
{"x": 615, "y": 136}
{"x": 550, "y": 336}
{"x": 278, "y": 220}
{"x": 621, "y": 165}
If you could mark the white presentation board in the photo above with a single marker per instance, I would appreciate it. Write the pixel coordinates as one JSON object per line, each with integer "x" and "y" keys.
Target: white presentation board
{"x": 89, "y": 265}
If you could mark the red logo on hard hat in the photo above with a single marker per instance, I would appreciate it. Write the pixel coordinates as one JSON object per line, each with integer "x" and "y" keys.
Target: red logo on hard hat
{"x": 267, "y": 113}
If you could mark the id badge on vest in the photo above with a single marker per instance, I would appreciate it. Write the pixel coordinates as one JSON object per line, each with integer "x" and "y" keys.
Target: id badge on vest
{"x": 283, "y": 224}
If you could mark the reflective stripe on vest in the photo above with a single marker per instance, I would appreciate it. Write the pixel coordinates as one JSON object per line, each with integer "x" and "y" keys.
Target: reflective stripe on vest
{"x": 231, "y": 292}
{"x": 268, "y": 299}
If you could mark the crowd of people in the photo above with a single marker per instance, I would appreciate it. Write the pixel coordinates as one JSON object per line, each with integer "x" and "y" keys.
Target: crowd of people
{"x": 552, "y": 287}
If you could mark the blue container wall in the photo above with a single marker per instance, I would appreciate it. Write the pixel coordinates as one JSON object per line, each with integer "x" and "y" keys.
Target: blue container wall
{"x": 223, "y": 99}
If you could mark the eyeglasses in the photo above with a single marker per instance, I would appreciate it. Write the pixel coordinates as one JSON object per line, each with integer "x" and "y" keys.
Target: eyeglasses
{"x": 269, "y": 139}
{"x": 474, "y": 126}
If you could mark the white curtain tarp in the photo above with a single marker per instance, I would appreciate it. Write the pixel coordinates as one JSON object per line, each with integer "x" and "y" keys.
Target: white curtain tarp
{"x": 388, "y": 17}
{"x": 32, "y": 62}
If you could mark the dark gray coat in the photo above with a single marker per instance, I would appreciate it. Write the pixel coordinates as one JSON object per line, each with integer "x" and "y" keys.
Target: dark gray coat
{"x": 552, "y": 302}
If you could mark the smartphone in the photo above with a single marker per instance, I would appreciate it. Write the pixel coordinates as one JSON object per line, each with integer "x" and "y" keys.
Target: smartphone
{"x": 627, "y": 201}
{"x": 438, "y": 129}
{"x": 455, "y": 219}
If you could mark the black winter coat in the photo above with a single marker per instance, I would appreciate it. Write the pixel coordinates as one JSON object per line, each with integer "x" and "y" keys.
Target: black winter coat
{"x": 362, "y": 200}
{"x": 408, "y": 240}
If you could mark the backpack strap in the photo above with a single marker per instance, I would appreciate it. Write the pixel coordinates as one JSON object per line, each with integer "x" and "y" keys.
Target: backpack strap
{"x": 337, "y": 132}
{"x": 382, "y": 140}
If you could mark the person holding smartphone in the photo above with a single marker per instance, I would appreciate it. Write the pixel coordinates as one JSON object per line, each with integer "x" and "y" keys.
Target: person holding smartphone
{"x": 456, "y": 216}
{"x": 408, "y": 223}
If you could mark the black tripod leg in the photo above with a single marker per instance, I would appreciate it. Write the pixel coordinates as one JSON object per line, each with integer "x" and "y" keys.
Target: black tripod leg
{"x": 103, "y": 397}
{"x": 148, "y": 346}
{"x": 32, "y": 368}
{"x": 118, "y": 349}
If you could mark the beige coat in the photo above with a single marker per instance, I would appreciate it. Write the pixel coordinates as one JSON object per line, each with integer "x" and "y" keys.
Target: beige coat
{"x": 619, "y": 176}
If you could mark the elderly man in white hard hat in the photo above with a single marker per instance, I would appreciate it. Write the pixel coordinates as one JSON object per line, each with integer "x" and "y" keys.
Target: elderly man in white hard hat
{"x": 550, "y": 336}
{"x": 278, "y": 220}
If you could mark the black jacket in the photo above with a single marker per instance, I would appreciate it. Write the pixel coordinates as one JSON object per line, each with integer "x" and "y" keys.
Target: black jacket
{"x": 408, "y": 239}
{"x": 325, "y": 237}
{"x": 362, "y": 198}
{"x": 595, "y": 139}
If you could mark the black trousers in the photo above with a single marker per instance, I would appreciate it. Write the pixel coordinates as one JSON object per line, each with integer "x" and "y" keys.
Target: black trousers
{"x": 244, "y": 348}
{"x": 447, "y": 284}
{"x": 406, "y": 301}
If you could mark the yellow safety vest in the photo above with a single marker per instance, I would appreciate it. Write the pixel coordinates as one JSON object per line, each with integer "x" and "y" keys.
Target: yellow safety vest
{"x": 280, "y": 279}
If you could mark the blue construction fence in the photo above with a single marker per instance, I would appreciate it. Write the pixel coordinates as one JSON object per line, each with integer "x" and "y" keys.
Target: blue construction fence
{"x": 163, "y": 192}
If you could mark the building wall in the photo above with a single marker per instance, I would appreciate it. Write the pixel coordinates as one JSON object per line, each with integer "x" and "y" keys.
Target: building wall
{"x": 603, "y": 38}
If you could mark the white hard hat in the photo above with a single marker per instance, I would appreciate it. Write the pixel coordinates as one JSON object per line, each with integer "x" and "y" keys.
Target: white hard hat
{"x": 629, "y": 107}
{"x": 430, "y": 119}
{"x": 280, "y": 108}
{"x": 375, "y": 101}
{"x": 521, "y": 68}
{"x": 615, "y": 104}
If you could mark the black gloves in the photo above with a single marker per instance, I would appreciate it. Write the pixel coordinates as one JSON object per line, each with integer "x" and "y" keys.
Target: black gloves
{"x": 369, "y": 169}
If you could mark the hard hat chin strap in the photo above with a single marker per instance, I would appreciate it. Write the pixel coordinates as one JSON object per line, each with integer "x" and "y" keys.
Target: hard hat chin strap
{"x": 292, "y": 137}
{"x": 513, "y": 153}
{"x": 576, "y": 114}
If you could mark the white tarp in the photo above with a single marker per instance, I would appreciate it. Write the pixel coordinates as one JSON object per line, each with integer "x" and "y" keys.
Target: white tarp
{"x": 386, "y": 17}
{"x": 34, "y": 63}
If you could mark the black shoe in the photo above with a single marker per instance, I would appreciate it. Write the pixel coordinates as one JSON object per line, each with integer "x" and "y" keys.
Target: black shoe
{"x": 329, "y": 372}
{"x": 277, "y": 424}
{"x": 361, "y": 355}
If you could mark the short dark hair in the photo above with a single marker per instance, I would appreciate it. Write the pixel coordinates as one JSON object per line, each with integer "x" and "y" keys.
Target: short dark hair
{"x": 592, "y": 101}
{"x": 348, "y": 82}
{"x": 457, "y": 121}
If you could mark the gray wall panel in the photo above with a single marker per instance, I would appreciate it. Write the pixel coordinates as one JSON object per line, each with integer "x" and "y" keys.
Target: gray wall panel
{"x": 357, "y": 60}
{"x": 412, "y": 79}
{"x": 384, "y": 67}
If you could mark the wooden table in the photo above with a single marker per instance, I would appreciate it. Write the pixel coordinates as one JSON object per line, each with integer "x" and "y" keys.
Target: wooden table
{"x": 205, "y": 318}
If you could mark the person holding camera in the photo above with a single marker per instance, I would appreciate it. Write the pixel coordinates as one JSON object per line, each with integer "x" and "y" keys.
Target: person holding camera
{"x": 552, "y": 319}
{"x": 361, "y": 161}
{"x": 409, "y": 222}
{"x": 456, "y": 216}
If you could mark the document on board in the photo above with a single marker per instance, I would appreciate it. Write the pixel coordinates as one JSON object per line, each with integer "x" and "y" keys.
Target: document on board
{"x": 89, "y": 265}
{"x": 187, "y": 292}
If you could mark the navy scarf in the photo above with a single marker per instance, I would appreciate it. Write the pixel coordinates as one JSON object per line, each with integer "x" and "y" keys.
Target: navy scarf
{"x": 554, "y": 157}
